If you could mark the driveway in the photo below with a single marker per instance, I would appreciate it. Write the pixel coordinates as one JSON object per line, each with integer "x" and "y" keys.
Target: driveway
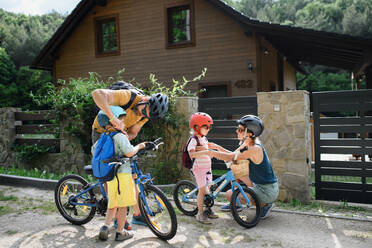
{"x": 29, "y": 218}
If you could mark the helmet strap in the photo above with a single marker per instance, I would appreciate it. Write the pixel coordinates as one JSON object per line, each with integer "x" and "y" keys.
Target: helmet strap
{"x": 244, "y": 137}
{"x": 198, "y": 131}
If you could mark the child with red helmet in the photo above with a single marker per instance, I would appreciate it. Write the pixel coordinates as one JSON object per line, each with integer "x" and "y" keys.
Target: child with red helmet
{"x": 197, "y": 148}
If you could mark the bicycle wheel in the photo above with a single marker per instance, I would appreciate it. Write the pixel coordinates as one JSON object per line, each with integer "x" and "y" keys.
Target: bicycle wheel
{"x": 247, "y": 215}
{"x": 158, "y": 212}
{"x": 187, "y": 204}
{"x": 68, "y": 187}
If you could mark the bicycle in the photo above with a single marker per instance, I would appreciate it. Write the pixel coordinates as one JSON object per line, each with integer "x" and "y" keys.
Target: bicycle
{"x": 78, "y": 201}
{"x": 245, "y": 214}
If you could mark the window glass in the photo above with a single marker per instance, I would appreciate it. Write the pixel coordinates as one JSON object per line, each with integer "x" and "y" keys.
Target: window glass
{"x": 179, "y": 25}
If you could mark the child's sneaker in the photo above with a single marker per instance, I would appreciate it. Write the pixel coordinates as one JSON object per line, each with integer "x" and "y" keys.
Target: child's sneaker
{"x": 202, "y": 219}
{"x": 211, "y": 215}
{"x": 120, "y": 236}
{"x": 266, "y": 210}
{"x": 103, "y": 233}
{"x": 138, "y": 220}
{"x": 226, "y": 208}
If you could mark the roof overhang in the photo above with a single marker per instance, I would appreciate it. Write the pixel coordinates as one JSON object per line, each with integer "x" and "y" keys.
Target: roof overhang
{"x": 307, "y": 45}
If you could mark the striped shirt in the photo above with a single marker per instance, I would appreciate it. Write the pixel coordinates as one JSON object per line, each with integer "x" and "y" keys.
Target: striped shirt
{"x": 203, "y": 161}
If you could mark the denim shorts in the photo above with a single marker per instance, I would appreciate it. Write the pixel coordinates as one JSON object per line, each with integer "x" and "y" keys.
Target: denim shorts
{"x": 267, "y": 193}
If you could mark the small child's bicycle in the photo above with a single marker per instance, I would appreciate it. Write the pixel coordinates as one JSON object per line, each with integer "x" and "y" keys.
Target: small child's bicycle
{"x": 78, "y": 201}
{"x": 244, "y": 204}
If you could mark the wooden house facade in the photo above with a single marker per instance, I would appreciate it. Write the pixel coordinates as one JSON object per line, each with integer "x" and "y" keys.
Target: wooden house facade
{"x": 176, "y": 38}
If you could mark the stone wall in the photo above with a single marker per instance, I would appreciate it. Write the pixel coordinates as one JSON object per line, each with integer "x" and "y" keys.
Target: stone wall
{"x": 287, "y": 140}
{"x": 70, "y": 158}
{"x": 7, "y": 136}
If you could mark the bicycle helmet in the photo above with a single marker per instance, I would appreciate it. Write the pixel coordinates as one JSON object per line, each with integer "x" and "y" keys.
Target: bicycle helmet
{"x": 253, "y": 124}
{"x": 103, "y": 119}
{"x": 200, "y": 119}
{"x": 159, "y": 104}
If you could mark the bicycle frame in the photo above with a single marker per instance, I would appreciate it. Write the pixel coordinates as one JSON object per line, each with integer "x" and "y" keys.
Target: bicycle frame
{"x": 82, "y": 194}
{"x": 141, "y": 181}
{"x": 227, "y": 178}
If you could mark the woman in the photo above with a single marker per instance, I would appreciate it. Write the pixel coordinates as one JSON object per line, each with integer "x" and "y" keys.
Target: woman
{"x": 261, "y": 177}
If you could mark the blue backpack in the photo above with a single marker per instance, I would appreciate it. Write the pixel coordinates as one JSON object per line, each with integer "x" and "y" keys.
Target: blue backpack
{"x": 103, "y": 155}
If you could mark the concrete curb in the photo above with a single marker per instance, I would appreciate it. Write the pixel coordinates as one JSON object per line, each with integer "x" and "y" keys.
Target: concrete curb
{"x": 27, "y": 182}
{"x": 48, "y": 184}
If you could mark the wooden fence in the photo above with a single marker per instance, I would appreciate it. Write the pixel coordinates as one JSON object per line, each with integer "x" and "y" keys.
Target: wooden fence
{"x": 36, "y": 127}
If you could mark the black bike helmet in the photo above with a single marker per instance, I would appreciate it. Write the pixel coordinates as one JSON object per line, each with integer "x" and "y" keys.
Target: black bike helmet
{"x": 158, "y": 106}
{"x": 253, "y": 124}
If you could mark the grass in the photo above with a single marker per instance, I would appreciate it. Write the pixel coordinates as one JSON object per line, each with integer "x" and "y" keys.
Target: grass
{"x": 320, "y": 207}
{"x": 36, "y": 173}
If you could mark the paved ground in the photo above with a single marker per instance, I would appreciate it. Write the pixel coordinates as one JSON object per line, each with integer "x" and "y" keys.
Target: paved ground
{"x": 29, "y": 218}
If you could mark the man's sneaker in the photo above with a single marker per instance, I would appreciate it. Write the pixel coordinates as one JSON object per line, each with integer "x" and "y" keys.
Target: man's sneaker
{"x": 266, "y": 210}
{"x": 126, "y": 226}
{"x": 120, "y": 236}
{"x": 211, "y": 215}
{"x": 103, "y": 233}
{"x": 138, "y": 220}
{"x": 226, "y": 208}
{"x": 202, "y": 219}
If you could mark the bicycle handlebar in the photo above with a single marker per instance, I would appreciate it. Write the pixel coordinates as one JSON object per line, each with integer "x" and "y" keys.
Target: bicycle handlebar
{"x": 151, "y": 145}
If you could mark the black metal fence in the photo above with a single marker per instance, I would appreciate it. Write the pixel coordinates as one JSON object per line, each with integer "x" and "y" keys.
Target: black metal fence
{"x": 225, "y": 111}
{"x": 343, "y": 145}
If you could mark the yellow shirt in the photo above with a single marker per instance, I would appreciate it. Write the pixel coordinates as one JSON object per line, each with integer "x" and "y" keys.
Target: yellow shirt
{"x": 122, "y": 97}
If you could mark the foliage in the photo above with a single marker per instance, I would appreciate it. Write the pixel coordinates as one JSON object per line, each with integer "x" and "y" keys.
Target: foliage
{"x": 75, "y": 107}
{"x": 23, "y": 36}
{"x": 28, "y": 153}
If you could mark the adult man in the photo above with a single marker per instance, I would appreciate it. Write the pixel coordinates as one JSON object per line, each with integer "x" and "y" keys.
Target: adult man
{"x": 139, "y": 109}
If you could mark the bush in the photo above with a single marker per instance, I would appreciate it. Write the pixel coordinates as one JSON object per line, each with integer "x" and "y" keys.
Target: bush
{"x": 73, "y": 102}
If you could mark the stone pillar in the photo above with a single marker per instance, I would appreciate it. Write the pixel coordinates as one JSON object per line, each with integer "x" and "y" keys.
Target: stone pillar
{"x": 7, "y": 135}
{"x": 287, "y": 139}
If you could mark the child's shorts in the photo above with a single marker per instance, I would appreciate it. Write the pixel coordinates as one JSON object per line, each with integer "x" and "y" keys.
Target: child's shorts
{"x": 202, "y": 175}
{"x": 127, "y": 195}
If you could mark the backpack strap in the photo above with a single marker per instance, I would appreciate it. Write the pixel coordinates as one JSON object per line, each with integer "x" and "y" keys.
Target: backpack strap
{"x": 133, "y": 96}
{"x": 197, "y": 140}
{"x": 116, "y": 166}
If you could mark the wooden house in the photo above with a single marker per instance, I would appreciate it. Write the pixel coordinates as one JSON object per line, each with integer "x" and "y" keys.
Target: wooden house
{"x": 176, "y": 38}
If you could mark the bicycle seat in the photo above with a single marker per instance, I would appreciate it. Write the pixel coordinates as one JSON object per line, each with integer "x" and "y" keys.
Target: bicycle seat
{"x": 88, "y": 169}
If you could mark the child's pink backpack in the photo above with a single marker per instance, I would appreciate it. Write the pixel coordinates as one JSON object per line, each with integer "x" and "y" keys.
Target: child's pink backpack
{"x": 187, "y": 162}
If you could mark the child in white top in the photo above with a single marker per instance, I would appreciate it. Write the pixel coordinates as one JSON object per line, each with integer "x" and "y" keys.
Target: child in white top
{"x": 201, "y": 123}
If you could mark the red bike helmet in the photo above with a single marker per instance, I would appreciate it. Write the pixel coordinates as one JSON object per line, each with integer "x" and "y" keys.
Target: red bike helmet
{"x": 200, "y": 119}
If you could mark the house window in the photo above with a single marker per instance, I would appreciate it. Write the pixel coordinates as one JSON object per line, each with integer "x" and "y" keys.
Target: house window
{"x": 180, "y": 26}
{"x": 107, "y": 36}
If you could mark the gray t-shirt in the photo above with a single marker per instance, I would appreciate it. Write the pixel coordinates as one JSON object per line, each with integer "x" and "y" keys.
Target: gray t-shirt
{"x": 122, "y": 147}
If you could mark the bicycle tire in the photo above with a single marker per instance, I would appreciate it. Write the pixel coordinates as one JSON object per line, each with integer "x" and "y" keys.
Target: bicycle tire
{"x": 246, "y": 216}
{"x": 190, "y": 209}
{"x": 71, "y": 185}
{"x": 154, "y": 197}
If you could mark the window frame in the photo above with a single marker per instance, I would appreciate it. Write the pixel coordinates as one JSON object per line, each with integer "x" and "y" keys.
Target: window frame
{"x": 98, "y": 35}
{"x": 181, "y": 5}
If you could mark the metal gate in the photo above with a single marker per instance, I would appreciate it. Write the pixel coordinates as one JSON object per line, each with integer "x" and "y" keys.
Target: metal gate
{"x": 343, "y": 145}
{"x": 225, "y": 111}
